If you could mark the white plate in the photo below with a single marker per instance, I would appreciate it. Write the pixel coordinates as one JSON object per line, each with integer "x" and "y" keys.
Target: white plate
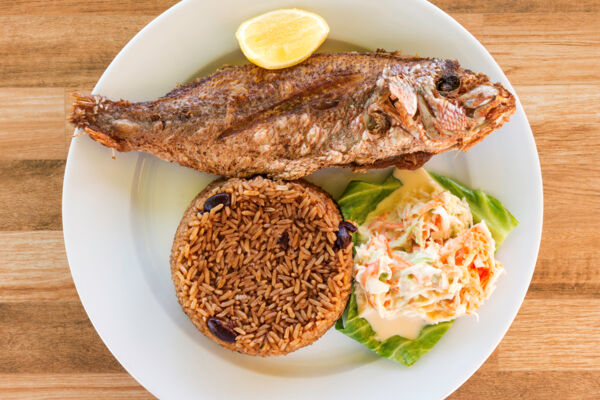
{"x": 119, "y": 218}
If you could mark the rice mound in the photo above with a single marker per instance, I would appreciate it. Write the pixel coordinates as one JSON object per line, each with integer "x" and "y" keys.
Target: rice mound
{"x": 257, "y": 267}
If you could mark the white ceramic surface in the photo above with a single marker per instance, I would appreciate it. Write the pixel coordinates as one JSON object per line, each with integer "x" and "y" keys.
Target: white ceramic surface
{"x": 119, "y": 217}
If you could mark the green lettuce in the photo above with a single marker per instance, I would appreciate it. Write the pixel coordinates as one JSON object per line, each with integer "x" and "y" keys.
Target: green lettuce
{"x": 357, "y": 201}
{"x": 397, "y": 348}
{"x": 360, "y": 198}
{"x": 483, "y": 207}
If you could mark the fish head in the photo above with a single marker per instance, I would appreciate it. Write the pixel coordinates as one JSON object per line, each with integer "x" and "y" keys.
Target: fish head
{"x": 439, "y": 99}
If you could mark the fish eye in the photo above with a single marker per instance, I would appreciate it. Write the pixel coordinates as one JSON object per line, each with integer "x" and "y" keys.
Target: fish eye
{"x": 447, "y": 83}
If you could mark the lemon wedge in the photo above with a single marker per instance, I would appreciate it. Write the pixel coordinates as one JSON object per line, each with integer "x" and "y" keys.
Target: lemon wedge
{"x": 281, "y": 38}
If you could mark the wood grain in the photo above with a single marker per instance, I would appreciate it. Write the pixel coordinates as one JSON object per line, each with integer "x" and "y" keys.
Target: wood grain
{"x": 567, "y": 143}
{"x": 531, "y": 385}
{"x": 57, "y": 51}
{"x": 155, "y": 7}
{"x": 517, "y": 6}
{"x": 567, "y": 330}
{"x": 31, "y": 122}
{"x": 107, "y": 386}
{"x": 31, "y": 193}
{"x": 48, "y": 348}
{"x": 34, "y": 273}
{"x": 561, "y": 49}
{"x": 50, "y": 337}
{"x": 90, "y": 7}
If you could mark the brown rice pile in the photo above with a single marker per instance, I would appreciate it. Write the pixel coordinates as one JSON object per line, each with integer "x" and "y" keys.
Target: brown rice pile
{"x": 261, "y": 273}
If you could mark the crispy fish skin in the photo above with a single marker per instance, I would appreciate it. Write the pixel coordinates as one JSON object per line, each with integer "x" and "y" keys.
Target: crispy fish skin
{"x": 359, "y": 110}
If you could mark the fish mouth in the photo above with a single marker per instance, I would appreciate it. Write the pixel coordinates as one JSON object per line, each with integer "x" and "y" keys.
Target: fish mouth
{"x": 487, "y": 112}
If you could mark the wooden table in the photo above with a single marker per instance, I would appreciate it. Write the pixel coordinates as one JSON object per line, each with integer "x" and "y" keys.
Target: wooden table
{"x": 550, "y": 51}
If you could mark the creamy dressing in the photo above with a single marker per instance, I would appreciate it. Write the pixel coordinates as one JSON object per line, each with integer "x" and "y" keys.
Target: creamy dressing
{"x": 407, "y": 327}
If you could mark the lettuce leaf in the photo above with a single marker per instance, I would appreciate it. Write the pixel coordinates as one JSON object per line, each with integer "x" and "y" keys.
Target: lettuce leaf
{"x": 397, "y": 348}
{"x": 483, "y": 207}
{"x": 360, "y": 198}
{"x": 357, "y": 201}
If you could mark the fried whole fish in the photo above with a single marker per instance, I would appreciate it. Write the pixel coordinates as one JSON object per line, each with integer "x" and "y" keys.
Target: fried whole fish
{"x": 359, "y": 110}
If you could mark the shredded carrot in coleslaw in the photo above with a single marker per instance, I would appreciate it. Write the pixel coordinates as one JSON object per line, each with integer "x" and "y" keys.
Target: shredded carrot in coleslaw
{"x": 426, "y": 258}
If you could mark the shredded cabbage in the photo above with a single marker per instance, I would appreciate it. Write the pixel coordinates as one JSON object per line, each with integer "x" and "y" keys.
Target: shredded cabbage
{"x": 425, "y": 258}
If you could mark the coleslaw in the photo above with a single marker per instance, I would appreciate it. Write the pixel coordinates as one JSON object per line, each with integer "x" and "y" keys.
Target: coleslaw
{"x": 423, "y": 257}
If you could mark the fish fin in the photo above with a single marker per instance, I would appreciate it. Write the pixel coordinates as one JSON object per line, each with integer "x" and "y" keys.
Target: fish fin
{"x": 107, "y": 140}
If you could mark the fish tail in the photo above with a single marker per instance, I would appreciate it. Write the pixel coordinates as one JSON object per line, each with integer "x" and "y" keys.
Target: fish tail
{"x": 87, "y": 117}
{"x": 85, "y": 108}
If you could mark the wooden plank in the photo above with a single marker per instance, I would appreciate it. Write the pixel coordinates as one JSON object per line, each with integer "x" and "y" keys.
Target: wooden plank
{"x": 33, "y": 267}
{"x": 31, "y": 123}
{"x": 567, "y": 267}
{"x": 71, "y": 386}
{"x": 484, "y": 384}
{"x": 51, "y": 51}
{"x": 530, "y": 385}
{"x": 545, "y": 49}
{"x": 553, "y": 335}
{"x": 30, "y": 194}
{"x": 565, "y": 138}
{"x": 472, "y": 22}
{"x": 90, "y": 7}
{"x": 517, "y": 6}
{"x": 50, "y": 337}
{"x": 155, "y": 7}
{"x": 555, "y": 108}
{"x": 567, "y": 141}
